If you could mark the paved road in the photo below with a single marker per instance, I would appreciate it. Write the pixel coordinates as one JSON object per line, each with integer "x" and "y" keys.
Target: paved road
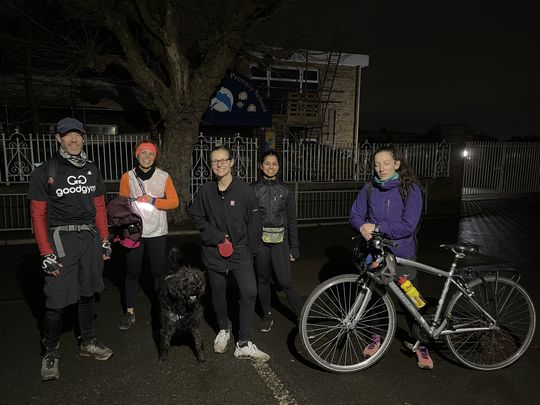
{"x": 506, "y": 230}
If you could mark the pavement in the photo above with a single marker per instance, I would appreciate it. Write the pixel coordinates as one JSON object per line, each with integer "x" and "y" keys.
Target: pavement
{"x": 506, "y": 230}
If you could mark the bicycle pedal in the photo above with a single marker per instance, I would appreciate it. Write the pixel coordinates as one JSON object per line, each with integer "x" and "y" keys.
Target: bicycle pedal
{"x": 412, "y": 347}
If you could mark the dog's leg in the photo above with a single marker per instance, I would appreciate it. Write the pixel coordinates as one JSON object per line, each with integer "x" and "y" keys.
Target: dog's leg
{"x": 199, "y": 346}
{"x": 166, "y": 333}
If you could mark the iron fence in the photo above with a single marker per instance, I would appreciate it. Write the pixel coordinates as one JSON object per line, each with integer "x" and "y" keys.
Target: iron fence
{"x": 500, "y": 168}
{"x": 21, "y": 153}
{"x": 305, "y": 161}
{"x": 244, "y": 152}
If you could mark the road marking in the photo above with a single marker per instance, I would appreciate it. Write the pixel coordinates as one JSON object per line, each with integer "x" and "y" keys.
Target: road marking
{"x": 272, "y": 381}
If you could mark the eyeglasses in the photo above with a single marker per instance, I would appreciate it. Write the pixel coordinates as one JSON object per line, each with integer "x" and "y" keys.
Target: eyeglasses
{"x": 219, "y": 162}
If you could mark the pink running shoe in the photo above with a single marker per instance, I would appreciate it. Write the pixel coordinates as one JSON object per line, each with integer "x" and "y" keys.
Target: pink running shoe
{"x": 424, "y": 361}
{"x": 372, "y": 347}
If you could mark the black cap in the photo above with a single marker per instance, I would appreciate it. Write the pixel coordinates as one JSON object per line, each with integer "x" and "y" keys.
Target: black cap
{"x": 66, "y": 125}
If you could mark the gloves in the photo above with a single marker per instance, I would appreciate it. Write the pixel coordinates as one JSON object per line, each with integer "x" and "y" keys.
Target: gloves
{"x": 295, "y": 252}
{"x": 50, "y": 264}
{"x": 106, "y": 249}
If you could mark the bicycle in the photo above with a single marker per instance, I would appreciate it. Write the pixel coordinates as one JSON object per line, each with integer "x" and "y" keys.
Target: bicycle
{"x": 488, "y": 323}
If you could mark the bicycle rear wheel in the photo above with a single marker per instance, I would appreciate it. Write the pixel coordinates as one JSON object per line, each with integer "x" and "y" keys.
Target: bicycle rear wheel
{"x": 328, "y": 336}
{"x": 511, "y": 307}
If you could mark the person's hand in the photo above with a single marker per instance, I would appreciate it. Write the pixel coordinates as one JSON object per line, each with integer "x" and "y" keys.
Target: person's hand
{"x": 50, "y": 265}
{"x": 366, "y": 230}
{"x": 106, "y": 249}
{"x": 294, "y": 254}
{"x": 145, "y": 198}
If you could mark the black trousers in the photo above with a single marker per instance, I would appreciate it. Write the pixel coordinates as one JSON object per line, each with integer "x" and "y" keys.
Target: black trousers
{"x": 247, "y": 290}
{"x": 275, "y": 258}
{"x": 156, "y": 249}
{"x": 53, "y": 323}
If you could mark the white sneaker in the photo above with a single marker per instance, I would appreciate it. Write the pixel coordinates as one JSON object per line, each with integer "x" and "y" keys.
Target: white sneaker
{"x": 250, "y": 352}
{"x": 221, "y": 341}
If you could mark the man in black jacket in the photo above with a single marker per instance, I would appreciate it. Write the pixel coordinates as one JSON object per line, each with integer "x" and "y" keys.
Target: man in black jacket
{"x": 225, "y": 212}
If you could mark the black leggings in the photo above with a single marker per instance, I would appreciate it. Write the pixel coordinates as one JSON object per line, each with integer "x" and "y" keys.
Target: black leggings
{"x": 247, "y": 291}
{"x": 134, "y": 260}
{"x": 276, "y": 258}
{"x": 53, "y": 323}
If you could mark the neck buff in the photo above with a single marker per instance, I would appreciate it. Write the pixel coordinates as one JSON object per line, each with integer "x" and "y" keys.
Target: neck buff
{"x": 144, "y": 175}
{"x": 383, "y": 182}
{"x": 77, "y": 161}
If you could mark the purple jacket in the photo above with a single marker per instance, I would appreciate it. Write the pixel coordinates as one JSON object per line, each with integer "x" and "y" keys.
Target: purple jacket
{"x": 397, "y": 219}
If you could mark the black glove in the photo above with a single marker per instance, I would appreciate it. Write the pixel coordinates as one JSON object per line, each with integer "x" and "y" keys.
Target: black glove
{"x": 106, "y": 248}
{"x": 295, "y": 252}
{"x": 49, "y": 263}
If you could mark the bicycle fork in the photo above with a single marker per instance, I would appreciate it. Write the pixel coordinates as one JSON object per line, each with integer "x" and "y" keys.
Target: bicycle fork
{"x": 358, "y": 308}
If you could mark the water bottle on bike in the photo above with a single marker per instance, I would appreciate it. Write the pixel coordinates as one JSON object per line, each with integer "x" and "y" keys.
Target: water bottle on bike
{"x": 411, "y": 292}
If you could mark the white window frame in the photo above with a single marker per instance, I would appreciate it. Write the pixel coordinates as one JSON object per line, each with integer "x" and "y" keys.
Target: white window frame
{"x": 301, "y": 76}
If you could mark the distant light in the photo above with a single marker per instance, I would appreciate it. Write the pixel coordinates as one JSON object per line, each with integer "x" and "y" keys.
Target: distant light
{"x": 465, "y": 153}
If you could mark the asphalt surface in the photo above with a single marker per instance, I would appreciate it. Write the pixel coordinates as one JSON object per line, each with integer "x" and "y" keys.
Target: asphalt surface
{"x": 506, "y": 230}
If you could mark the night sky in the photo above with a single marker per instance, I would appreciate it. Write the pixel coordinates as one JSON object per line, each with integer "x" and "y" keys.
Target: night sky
{"x": 430, "y": 64}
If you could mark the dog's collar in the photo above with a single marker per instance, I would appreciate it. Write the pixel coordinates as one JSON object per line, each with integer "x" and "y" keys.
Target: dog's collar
{"x": 174, "y": 317}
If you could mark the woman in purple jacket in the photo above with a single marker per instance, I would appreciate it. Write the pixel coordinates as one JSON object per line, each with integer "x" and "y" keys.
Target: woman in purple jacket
{"x": 391, "y": 204}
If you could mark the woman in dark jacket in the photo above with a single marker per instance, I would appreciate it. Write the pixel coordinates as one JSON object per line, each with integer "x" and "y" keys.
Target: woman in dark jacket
{"x": 391, "y": 204}
{"x": 280, "y": 238}
{"x": 225, "y": 213}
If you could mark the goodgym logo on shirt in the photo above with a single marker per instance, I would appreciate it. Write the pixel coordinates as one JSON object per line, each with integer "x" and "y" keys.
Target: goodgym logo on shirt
{"x": 78, "y": 186}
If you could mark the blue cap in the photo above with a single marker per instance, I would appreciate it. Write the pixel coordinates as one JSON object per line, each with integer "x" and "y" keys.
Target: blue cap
{"x": 66, "y": 125}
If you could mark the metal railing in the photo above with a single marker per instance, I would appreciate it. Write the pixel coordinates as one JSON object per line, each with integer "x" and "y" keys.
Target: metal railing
{"x": 306, "y": 161}
{"x": 500, "y": 168}
{"x": 301, "y": 162}
{"x": 20, "y": 153}
{"x": 244, "y": 152}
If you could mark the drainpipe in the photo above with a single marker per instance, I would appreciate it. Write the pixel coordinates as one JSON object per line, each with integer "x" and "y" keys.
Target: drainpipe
{"x": 357, "y": 117}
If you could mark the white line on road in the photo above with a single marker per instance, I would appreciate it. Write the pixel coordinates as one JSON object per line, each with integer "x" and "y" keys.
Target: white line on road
{"x": 272, "y": 381}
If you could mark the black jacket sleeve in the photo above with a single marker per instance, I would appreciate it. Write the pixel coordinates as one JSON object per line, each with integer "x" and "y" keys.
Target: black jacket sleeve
{"x": 209, "y": 234}
{"x": 254, "y": 223}
{"x": 292, "y": 226}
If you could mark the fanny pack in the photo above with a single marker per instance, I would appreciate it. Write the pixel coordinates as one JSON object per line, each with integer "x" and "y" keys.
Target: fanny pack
{"x": 273, "y": 235}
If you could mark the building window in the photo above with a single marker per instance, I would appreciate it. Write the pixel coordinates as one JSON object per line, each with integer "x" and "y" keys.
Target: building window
{"x": 276, "y": 82}
{"x": 92, "y": 129}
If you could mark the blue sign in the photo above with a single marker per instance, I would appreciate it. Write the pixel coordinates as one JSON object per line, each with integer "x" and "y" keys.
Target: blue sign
{"x": 238, "y": 103}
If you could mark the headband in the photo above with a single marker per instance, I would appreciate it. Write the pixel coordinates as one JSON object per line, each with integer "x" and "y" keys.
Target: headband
{"x": 145, "y": 146}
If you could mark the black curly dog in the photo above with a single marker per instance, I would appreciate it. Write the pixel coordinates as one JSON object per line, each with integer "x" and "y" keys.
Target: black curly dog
{"x": 180, "y": 306}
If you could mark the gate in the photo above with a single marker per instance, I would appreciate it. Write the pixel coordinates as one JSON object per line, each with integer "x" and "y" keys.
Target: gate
{"x": 492, "y": 169}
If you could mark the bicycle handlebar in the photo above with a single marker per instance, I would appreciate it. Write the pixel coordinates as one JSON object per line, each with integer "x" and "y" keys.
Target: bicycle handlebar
{"x": 376, "y": 239}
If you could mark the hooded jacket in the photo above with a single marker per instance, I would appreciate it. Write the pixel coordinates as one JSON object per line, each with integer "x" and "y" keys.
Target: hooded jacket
{"x": 232, "y": 212}
{"x": 397, "y": 217}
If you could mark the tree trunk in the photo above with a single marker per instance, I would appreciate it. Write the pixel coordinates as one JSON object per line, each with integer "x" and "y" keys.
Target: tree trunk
{"x": 176, "y": 151}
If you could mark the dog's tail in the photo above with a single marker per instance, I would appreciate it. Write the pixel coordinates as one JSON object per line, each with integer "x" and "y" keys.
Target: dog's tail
{"x": 173, "y": 257}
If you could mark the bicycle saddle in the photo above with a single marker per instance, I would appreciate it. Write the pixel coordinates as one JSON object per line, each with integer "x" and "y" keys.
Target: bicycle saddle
{"x": 460, "y": 247}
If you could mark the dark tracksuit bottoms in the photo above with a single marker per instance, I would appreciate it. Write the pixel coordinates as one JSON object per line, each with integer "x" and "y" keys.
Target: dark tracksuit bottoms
{"x": 247, "y": 290}
{"x": 134, "y": 260}
{"x": 276, "y": 257}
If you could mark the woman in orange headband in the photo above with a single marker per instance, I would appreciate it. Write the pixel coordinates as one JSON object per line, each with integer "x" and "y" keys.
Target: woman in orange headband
{"x": 153, "y": 193}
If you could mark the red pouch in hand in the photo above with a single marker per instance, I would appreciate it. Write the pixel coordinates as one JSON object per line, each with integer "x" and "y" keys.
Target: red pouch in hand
{"x": 225, "y": 248}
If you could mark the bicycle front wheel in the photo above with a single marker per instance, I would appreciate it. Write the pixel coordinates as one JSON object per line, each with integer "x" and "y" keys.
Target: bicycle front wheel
{"x": 511, "y": 307}
{"x": 328, "y": 335}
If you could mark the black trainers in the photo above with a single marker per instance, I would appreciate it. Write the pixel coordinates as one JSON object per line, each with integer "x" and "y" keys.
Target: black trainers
{"x": 266, "y": 324}
{"x": 49, "y": 367}
{"x": 127, "y": 321}
{"x": 96, "y": 350}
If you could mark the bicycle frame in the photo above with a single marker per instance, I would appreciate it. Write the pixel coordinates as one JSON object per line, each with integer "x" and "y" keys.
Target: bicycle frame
{"x": 431, "y": 329}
